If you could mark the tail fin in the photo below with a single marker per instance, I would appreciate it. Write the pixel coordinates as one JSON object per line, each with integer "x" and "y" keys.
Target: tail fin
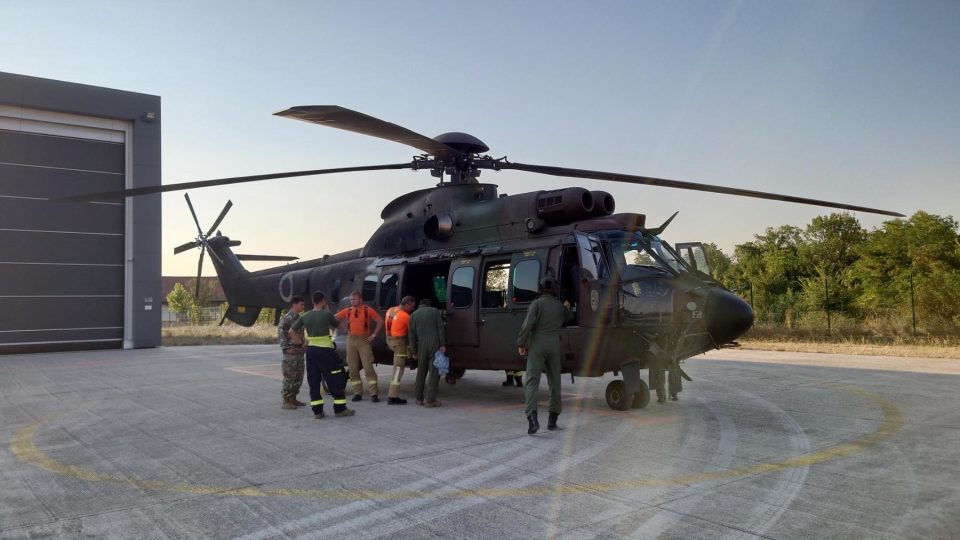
{"x": 241, "y": 297}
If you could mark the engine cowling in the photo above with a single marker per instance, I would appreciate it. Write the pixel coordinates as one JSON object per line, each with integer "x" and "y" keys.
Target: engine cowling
{"x": 563, "y": 206}
{"x": 603, "y": 203}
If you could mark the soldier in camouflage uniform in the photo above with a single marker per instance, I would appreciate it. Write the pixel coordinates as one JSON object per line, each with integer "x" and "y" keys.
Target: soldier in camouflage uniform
{"x": 292, "y": 354}
{"x": 540, "y": 336}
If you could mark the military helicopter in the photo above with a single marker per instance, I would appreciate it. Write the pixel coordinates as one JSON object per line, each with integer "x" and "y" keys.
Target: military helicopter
{"x": 480, "y": 256}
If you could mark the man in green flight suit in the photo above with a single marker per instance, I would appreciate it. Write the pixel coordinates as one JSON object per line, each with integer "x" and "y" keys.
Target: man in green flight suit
{"x": 658, "y": 367}
{"x": 426, "y": 336}
{"x": 539, "y": 341}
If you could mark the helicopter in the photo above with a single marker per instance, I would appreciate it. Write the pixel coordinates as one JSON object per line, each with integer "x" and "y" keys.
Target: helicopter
{"x": 479, "y": 255}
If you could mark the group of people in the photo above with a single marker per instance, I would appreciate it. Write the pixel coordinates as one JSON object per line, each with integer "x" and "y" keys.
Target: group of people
{"x": 305, "y": 338}
{"x": 417, "y": 332}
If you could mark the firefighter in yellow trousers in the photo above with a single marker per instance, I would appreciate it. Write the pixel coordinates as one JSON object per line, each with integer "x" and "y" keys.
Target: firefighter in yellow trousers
{"x": 398, "y": 321}
{"x": 359, "y": 344}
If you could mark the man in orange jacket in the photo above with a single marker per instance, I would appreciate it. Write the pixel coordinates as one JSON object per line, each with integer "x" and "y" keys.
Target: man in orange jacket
{"x": 359, "y": 349}
{"x": 398, "y": 319}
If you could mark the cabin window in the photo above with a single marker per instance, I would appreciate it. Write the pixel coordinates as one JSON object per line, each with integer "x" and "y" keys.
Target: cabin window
{"x": 603, "y": 271}
{"x": 461, "y": 289}
{"x": 369, "y": 291}
{"x": 495, "y": 278}
{"x": 526, "y": 278}
{"x": 388, "y": 290}
{"x": 588, "y": 261}
{"x": 335, "y": 293}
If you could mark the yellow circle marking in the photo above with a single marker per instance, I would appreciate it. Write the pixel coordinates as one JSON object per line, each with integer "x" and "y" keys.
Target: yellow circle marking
{"x": 25, "y": 450}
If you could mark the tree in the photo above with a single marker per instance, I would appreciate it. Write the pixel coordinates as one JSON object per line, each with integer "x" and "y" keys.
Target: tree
{"x": 180, "y": 300}
{"x": 832, "y": 242}
{"x": 830, "y": 246}
{"x": 771, "y": 266}
{"x": 924, "y": 249}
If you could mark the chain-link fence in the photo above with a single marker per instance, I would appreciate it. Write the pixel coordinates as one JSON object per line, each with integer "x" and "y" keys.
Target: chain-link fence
{"x": 208, "y": 315}
{"x": 820, "y": 312}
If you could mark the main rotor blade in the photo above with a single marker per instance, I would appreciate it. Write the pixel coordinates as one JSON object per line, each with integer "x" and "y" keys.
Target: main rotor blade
{"x": 266, "y": 258}
{"x": 196, "y": 294}
{"x": 340, "y": 118}
{"x": 223, "y": 213}
{"x": 184, "y": 247}
{"x": 649, "y": 181}
{"x": 234, "y": 180}
{"x": 193, "y": 213}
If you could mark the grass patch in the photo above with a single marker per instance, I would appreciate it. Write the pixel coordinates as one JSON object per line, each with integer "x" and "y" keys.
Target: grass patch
{"x": 228, "y": 334}
{"x": 857, "y": 347}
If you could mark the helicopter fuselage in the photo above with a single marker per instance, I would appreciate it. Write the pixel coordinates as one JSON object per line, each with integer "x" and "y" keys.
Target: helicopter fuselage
{"x": 479, "y": 257}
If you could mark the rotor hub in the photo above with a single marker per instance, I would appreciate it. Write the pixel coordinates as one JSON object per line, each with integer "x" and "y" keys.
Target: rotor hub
{"x": 464, "y": 142}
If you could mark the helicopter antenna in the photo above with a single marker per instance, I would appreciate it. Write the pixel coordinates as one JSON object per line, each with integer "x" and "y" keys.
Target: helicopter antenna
{"x": 659, "y": 230}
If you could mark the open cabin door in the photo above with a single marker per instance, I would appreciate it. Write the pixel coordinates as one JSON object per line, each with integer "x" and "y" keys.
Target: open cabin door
{"x": 693, "y": 254}
{"x": 462, "y": 302}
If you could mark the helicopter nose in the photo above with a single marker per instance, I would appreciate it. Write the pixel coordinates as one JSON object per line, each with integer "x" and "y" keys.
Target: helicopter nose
{"x": 728, "y": 316}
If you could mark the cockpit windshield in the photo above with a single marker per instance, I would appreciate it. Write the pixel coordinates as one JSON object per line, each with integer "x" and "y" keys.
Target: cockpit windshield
{"x": 637, "y": 255}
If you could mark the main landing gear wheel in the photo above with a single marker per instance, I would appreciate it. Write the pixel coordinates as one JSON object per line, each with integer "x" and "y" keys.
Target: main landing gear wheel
{"x": 617, "y": 396}
{"x": 619, "y": 400}
{"x": 642, "y": 398}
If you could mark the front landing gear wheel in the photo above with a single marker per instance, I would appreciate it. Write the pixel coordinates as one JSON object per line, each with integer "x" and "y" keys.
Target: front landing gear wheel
{"x": 454, "y": 375}
{"x": 617, "y": 396}
{"x": 642, "y": 398}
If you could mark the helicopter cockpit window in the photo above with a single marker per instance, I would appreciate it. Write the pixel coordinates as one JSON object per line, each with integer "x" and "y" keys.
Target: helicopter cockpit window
{"x": 495, "y": 278}
{"x": 526, "y": 277}
{"x": 665, "y": 253}
{"x": 369, "y": 291}
{"x": 636, "y": 256}
{"x": 461, "y": 290}
{"x": 388, "y": 290}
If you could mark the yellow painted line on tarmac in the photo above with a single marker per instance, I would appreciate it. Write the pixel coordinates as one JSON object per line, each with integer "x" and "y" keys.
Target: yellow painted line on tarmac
{"x": 23, "y": 448}
{"x": 270, "y": 371}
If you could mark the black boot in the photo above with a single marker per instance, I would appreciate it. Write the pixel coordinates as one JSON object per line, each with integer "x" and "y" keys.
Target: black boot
{"x": 508, "y": 382}
{"x": 518, "y": 380}
{"x": 533, "y": 423}
{"x": 552, "y": 421}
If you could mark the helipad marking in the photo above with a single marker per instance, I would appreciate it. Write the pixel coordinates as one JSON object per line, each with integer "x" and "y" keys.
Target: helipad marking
{"x": 259, "y": 370}
{"x": 25, "y": 450}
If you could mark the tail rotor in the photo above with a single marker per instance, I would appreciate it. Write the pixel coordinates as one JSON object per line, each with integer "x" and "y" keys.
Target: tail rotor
{"x": 201, "y": 240}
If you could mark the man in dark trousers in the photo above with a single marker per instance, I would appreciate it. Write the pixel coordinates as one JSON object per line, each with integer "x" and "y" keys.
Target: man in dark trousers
{"x": 658, "y": 366}
{"x": 539, "y": 341}
{"x": 322, "y": 361}
{"x": 426, "y": 336}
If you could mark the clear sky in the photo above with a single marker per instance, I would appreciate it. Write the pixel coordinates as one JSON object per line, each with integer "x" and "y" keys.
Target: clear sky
{"x": 852, "y": 101}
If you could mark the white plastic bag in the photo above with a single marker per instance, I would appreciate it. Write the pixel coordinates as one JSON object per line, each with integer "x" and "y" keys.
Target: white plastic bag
{"x": 442, "y": 363}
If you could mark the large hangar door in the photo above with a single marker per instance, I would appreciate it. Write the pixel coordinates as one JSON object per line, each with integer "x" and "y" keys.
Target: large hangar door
{"x": 61, "y": 264}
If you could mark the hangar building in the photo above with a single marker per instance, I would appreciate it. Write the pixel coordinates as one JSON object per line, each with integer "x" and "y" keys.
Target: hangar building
{"x": 77, "y": 275}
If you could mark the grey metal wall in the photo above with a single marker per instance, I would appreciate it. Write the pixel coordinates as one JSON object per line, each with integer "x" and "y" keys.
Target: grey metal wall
{"x": 78, "y": 275}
